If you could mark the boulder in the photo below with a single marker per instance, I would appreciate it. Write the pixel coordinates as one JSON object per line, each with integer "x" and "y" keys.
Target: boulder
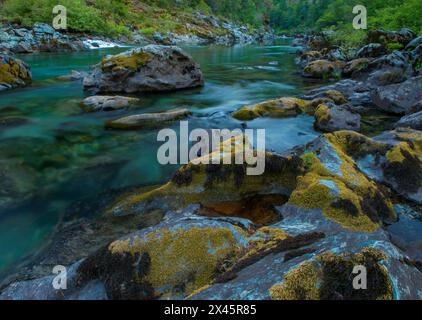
{"x": 413, "y": 120}
{"x": 401, "y": 98}
{"x": 371, "y": 50}
{"x": 147, "y": 120}
{"x": 13, "y": 73}
{"x": 321, "y": 69}
{"x": 355, "y": 67}
{"x": 330, "y": 117}
{"x": 107, "y": 103}
{"x": 148, "y": 69}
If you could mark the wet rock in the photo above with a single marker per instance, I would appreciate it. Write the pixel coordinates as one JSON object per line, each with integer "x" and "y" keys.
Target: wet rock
{"x": 330, "y": 117}
{"x": 371, "y": 50}
{"x": 321, "y": 69}
{"x": 356, "y": 66}
{"x": 148, "y": 69}
{"x": 402, "y": 37}
{"x": 413, "y": 121}
{"x": 307, "y": 57}
{"x": 399, "y": 98}
{"x": 147, "y": 120}
{"x": 13, "y": 73}
{"x": 278, "y": 108}
{"x": 107, "y": 103}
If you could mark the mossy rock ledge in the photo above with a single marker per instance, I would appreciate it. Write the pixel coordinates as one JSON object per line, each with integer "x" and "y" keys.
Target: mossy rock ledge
{"x": 152, "y": 68}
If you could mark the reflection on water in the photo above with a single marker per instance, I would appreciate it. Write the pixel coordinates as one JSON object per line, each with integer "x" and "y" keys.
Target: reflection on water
{"x": 56, "y": 154}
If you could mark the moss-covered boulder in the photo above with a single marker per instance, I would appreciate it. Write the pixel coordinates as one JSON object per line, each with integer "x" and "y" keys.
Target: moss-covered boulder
{"x": 334, "y": 184}
{"x": 13, "y": 73}
{"x": 209, "y": 184}
{"x": 278, "y": 108}
{"x": 151, "y": 68}
{"x": 173, "y": 260}
{"x": 322, "y": 69}
{"x": 327, "y": 277}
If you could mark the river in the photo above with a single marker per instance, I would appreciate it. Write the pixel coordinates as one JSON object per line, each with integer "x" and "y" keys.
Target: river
{"x": 60, "y": 155}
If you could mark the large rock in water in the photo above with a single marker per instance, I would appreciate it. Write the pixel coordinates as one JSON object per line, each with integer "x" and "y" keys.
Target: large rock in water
{"x": 148, "y": 69}
{"x": 13, "y": 73}
{"x": 401, "y": 98}
{"x": 107, "y": 103}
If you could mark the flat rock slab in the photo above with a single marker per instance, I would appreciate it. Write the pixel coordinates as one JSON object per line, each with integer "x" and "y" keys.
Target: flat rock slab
{"x": 147, "y": 120}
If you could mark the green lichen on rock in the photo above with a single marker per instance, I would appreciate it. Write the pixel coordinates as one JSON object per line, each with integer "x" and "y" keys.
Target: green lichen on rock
{"x": 347, "y": 197}
{"x": 404, "y": 166}
{"x": 322, "y": 115}
{"x": 131, "y": 61}
{"x": 278, "y": 108}
{"x": 328, "y": 278}
{"x": 14, "y": 72}
{"x": 180, "y": 261}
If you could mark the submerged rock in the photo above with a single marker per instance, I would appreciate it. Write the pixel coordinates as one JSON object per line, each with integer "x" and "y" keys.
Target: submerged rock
{"x": 147, "y": 69}
{"x": 107, "y": 103}
{"x": 73, "y": 76}
{"x": 147, "y": 120}
{"x": 330, "y": 117}
{"x": 13, "y": 73}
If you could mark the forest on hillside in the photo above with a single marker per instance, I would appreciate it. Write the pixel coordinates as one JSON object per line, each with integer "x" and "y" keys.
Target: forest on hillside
{"x": 282, "y": 15}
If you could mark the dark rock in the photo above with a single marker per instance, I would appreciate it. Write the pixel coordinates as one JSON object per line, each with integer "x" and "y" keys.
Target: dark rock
{"x": 399, "y": 98}
{"x": 330, "y": 117}
{"x": 371, "y": 50}
{"x": 413, "y": 120}
{"x": 148, "y": 69}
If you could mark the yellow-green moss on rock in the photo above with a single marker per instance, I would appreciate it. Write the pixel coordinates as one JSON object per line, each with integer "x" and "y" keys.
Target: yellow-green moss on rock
{"x": 278, "y": 108}
{"x": 180, "y": 259}
{"x": 202, "y": 182}
{"x": 130, "y": 61}
{"x": 14, "y": 72}
{"x": 347, "y": 197}
{"x": 328, "y": 278}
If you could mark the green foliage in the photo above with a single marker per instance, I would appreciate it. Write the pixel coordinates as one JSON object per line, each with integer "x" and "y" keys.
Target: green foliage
{"x": 338, "y": 15}
{"x": 115, "y": 17}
